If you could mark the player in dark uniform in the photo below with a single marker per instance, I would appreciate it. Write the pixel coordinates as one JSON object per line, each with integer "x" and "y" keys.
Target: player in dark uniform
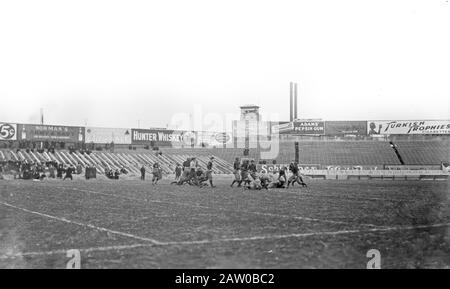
{"x": 244, "y": 173}
{"x": 156, "y": 173}
{"x": 184, "y": 178}
{"x": 178, "y": 171}
{"x": 236, "y": 172}
{"x": 143, "y": 173}
{"x": 186, "y": 171}
{"x": 252, "y": 169}
{"x": 59, "y": 171}
{"x": 69, "y": 172}
{"x": 282, "y": 177}
{"x": 296, "y": 177}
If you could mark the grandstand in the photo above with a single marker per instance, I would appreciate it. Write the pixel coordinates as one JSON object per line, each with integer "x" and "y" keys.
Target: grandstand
{"x": 342, "y": 153}
{"x": 366, "y": 153}
{"x": 103, "y": 160}
{"x": 337, "y": 152}
{"x": 424, "y": 152}
{"x": 329, "y": 145}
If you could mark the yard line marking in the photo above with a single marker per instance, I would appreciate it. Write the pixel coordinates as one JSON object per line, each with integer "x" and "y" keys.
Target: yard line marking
{"x": 244, "y": 239}
{"x": 227, "y": 210}
{"x": 155, "y": 242}
{"x": 309, "y": 194}
{"x": 64, "y": 251}
{"x": 299, "y": 235}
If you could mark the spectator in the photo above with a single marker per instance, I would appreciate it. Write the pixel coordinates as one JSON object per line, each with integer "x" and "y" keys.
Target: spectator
{"x": 51, "y": 170}
{"x": 60, "y": 171}
{"x": 143, "y": 173}
{"x": 79, "y": 169}
{"x": 87, "y": 173}
{"x": 69, "y": 172}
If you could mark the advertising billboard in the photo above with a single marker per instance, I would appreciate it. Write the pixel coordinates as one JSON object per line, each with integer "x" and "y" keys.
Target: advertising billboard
{"x": 161, "y": 137}
{"x": 8, "y": 131}
{"x": 309, "y": 127}
{"x": 275, "y": 168}
{"x": 214, "y": 139}
{"x": 108, "y": 135}
{"x": 345, "y": 128}
{"x": 300, "y": 127}
{"x": 40, "y": 132}
{"x": 283, "y": 127}
{"x": 380, "y": 127}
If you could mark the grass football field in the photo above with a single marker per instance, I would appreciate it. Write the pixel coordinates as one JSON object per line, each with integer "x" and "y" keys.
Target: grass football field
{"x": 132, "y": 224}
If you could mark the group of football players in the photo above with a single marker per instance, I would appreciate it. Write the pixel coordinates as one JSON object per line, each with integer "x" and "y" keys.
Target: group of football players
{"x": 245, "y": 175}
{"x": 191, "y": 173}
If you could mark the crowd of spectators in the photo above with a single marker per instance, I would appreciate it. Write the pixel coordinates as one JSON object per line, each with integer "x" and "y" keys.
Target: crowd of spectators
{"x": 114, "y": 174}
{"x": 38, "y": 171}
{"x": 53, "y": 170}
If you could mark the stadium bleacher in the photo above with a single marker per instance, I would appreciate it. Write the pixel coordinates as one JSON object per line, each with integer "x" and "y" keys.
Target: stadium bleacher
{"x": 325, "y": 153}
{"x": 312, "y": 152}
{"x": 424, "y": 152}
{"x": 338, "y": 153}
{"x": 132, "y": 162}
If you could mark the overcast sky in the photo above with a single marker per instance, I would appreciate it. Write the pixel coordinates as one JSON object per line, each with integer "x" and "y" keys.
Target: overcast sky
{"x": 113, "y": 63}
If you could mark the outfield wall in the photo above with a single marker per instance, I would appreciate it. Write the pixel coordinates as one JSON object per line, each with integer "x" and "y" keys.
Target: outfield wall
{"x": 377, "y": 174}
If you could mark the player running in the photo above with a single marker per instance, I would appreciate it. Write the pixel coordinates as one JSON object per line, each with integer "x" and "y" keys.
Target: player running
{"x": 295, "y": 177}
{"x": 157, "y": 174}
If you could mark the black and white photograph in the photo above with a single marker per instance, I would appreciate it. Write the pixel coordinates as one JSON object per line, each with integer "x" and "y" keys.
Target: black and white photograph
{"x": 215, "y": 135}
